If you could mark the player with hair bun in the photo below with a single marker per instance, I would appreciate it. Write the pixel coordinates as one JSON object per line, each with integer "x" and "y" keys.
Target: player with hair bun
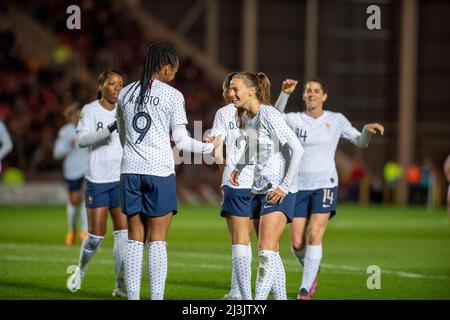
{"x": 276, "y": 153}
{"x": 236, "y": 204}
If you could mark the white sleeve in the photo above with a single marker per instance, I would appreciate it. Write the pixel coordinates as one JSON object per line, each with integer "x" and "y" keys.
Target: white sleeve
{"x": 294, "y": 165}
{"x": 6, "y": 142}
{"x": 179, "y": 113}
{"x": 62, "y": 146}
{"x": 86, "y": 133}
{"x": 219, "y": 127}
{"x": 282, "y": 100}
{"x": 350, "y": 133}
{"x": 186, "y": 143}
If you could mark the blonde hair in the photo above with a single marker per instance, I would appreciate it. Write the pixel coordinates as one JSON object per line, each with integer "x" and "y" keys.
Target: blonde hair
{"x": 259, "y": 81}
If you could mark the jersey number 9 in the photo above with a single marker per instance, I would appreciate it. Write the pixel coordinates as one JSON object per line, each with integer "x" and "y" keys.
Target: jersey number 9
{"x": 141, "y": 129}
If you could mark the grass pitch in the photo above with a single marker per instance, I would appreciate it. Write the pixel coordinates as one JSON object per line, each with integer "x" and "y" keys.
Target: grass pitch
{"x": 411, "y": 247}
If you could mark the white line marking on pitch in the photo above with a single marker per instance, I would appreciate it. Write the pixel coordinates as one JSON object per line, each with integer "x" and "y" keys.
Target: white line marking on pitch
{"x": 336, "y": 268}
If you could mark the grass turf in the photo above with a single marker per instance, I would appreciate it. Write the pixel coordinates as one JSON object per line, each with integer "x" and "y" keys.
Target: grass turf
{"x": 411, "y": 246}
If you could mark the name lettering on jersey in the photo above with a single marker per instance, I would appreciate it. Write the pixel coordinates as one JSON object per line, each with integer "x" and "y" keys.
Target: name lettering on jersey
{"x": 301, "y": 134}
{"x": 233, "y": 125}
{"x": 99, "y": 125}
{"x": 147, "y": 100}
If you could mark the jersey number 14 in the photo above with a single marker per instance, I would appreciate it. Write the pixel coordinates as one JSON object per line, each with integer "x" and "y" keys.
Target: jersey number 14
{"x": 301, "y": 134}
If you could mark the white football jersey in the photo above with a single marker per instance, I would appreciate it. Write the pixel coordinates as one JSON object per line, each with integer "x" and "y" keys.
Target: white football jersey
{"x": 5, "y": 142}
{"x": 272, "y": 154}
{"x": 226, "y": 126}
{"x": 75, "y": 158}
{"x": 104, "y": 156}
{"x": 320, "y": 137}
{"x": 147, "y": 148}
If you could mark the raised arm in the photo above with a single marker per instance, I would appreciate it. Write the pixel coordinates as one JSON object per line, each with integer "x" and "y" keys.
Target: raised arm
{"x": 287, "y": 87}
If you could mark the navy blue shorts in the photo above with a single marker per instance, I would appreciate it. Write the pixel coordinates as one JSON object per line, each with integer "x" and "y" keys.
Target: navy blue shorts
{"x": 260, "y": 206}
{"x": 152, "y": 195}
{"x": 315, "y": 201}
{"x": 236, "y": 202}
{"x": 75, "y": 184}
{"x": 102, "y": 195}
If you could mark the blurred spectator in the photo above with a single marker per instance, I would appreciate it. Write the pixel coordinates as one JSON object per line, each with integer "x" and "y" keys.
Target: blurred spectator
{"x": 429, "y": 182}
{"x": 392, "y": 173}
{"x": 447, "y": 176}
{"x": 357, "y": 174}
{"x": 376, "y": 189}
{"x": 413, "y": 178}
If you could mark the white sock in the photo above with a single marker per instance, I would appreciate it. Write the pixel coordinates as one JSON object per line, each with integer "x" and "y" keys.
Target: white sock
{"x": 265, "y": 276}
{"x": 71, "y": 216}
{"x": 313, "y": 257}
{"x": 242, "y": 266}
{"x": 279, "y": 282}
{"x": 120, "y": 250}
{"x": 83, "y": 214}
{"x": 89, "y": 247}
{"x": 234, "y": 291}
{"x": 157, "y": 268}
{"x": 299, "y": 255}
{"x": 133, "y": 268}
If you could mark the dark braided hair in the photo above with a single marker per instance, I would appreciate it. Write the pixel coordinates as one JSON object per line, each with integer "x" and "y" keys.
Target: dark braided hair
{"x": 158, "y": 55}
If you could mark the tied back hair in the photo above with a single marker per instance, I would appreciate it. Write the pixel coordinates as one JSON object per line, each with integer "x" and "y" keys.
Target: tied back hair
{"x": 158, "y": 55}
{"x": 226, "y": 84}
{"x": 262, "y": 84}
{"x": 102, "y": 79}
